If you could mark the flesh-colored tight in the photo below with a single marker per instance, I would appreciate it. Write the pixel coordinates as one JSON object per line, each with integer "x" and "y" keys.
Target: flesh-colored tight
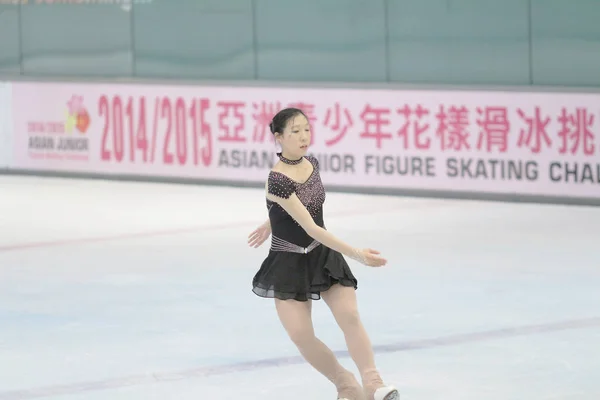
{"x": 296, "y": 319}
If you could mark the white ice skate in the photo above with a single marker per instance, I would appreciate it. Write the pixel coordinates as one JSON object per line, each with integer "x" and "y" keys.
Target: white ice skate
{"x": 384, "y": 393}
{"x": 387, "y": 393}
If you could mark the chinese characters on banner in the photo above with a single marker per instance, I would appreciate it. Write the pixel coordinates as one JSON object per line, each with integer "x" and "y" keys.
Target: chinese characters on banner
{"x": 495, "y": 142}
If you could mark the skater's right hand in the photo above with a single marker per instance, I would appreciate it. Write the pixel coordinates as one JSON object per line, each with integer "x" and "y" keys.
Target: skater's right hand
{"x": 259, "y": 235}
{"x": 372, "y": 258}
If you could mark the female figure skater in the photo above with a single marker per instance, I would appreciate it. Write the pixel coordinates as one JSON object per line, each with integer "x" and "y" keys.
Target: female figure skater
{"x": 305, "y": 262}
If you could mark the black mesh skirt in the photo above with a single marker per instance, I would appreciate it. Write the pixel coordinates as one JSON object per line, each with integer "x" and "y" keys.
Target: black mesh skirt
{"x": 286, "y": 275}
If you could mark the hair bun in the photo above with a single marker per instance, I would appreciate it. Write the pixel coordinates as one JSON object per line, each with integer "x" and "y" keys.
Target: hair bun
{"x": 272, "y": 127}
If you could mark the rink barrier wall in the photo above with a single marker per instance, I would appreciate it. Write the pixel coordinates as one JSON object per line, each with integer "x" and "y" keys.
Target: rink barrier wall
{"x": 5, "y": 125}
{"x": 501, "y": 144}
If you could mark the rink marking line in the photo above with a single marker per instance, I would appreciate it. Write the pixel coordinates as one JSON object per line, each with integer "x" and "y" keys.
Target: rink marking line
{"x": 153, "y": 378}
{"x": 108, "y": 238}
{"x": 167, "y": 232}
{"x": 197, "y": 228}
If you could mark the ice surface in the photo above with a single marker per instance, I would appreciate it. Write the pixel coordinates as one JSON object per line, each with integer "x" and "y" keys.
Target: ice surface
{"x": 127, "y": 291}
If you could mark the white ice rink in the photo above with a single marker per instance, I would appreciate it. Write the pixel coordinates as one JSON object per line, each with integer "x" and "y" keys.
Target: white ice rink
{"x": 131, "y": 291}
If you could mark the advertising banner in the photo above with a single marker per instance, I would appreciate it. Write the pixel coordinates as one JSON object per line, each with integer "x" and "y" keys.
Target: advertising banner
{"x": 492, "y": 142}
{"x": 5, "y": 124}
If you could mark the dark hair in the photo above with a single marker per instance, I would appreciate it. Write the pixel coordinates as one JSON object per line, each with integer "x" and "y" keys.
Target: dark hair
{"x": 281, "y": 119}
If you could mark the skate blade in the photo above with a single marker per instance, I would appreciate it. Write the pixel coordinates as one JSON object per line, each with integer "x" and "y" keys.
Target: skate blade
{"x": 393, "y": 395}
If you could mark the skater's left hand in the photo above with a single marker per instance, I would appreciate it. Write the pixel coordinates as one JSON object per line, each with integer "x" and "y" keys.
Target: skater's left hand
{"x": 259, "y": 235}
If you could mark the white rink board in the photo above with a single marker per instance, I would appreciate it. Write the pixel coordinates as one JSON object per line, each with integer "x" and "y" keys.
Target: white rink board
{"x": 482, "y": 142}
{"x": 5, "y": 124}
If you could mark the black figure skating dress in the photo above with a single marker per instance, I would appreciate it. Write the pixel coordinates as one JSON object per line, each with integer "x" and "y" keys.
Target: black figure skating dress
{"x": 297, "y": 266}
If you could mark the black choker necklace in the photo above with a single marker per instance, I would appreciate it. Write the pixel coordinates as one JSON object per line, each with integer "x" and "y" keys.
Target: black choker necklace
{"x": 288, "y": 161}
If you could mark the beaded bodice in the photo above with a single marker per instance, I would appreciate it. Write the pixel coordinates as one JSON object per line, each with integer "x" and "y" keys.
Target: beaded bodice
{"x": 310, "y": 193}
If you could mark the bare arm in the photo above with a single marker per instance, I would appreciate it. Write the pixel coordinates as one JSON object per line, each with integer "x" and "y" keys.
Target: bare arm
{"x": 294, "y": 207}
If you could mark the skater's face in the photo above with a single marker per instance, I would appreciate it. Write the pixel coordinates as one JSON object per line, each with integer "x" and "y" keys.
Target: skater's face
{"x": 296, "y": 136}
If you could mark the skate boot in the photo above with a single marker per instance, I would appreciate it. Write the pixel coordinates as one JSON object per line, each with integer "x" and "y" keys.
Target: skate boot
{"x": 386, "y": 393}
{"x": 375, "y": 389}
{"x": 348, "y": 387}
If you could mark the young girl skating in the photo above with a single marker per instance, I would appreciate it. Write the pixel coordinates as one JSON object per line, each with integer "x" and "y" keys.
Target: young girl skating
{"x": 305, "y": 262}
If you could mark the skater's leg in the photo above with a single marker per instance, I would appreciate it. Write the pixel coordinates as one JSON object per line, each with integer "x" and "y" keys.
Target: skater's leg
{"x": 342, "y": 302}
{"x": 295, "y": 317}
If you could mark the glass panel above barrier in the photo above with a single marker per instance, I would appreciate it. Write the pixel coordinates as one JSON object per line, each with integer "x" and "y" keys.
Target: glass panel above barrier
{"x": 459, "y": 41}
{"x": 566, "y": 42}
{"x": 9, "y": 40}
{"x": 321, "y": 40}
{"x": 76, "y": 39}
{"x": 208, "y": 39}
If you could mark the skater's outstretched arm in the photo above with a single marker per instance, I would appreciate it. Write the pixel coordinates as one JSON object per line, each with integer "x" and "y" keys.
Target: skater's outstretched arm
{"x": 294, "y": 207}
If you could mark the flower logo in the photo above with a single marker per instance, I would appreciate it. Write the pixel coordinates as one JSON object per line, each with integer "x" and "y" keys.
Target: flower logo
{"x": 77, "y": 115}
